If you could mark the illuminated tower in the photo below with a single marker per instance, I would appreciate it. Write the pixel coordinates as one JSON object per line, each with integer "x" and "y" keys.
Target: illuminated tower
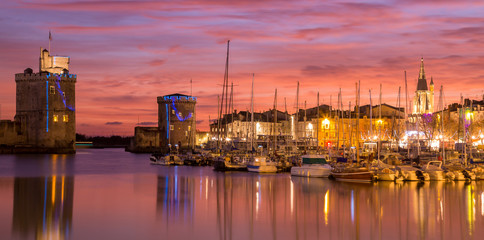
{"x": 423, "y": 102}
{"x": 46, "y": 106}
{"x": 176, "y": 120}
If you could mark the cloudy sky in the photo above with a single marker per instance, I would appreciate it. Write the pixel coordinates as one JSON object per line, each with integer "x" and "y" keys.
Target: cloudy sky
{"x": 126, "y": 53}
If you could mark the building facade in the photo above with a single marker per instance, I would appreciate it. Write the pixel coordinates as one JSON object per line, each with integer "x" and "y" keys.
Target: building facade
{"x": 45, "y": 119}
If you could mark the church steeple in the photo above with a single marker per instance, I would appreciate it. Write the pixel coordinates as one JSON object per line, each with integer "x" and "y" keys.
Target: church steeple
{"x": 422, "y": 82}
{"x": 421, "y": 74}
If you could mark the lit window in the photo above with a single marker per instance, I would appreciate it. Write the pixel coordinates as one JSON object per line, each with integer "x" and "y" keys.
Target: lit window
{"x": 189, "y": 127}
{"x": 172, "y": 127}
{"x": 52, "y": 90}
{"x": 55, "y": 118}
{"x": 172, "y": 111}
{"x": 65, "y": 118}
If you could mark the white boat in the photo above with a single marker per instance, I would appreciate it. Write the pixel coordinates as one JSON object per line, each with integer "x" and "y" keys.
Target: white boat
{"x": 460, "y": 173}
{"x": 435, "y": 171}
{"x": 164, "y": 160}
{"x": 410, "y": 173}
{"x": 384, "y": 172}
{"x": 261, "y": 165}
{"x": 312, "y": 166}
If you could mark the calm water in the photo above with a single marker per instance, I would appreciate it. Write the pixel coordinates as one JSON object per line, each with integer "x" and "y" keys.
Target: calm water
{"x": 110, "y": 194}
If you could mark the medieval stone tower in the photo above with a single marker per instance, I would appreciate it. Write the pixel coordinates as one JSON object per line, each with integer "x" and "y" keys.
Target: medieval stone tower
{"x": 176, "y": 120}
{"x": 46, "y": 106}
{"x": 423, "y": 101}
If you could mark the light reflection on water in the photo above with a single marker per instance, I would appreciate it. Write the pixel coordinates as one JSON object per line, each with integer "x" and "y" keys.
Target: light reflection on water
{"x": 81, "y": 197}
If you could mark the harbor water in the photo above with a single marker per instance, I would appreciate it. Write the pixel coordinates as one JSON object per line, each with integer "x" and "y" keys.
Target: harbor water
{"x": 111, "y": 194}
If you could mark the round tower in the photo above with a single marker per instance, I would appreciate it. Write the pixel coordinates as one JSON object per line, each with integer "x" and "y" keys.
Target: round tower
{"x": 176, "y": 121}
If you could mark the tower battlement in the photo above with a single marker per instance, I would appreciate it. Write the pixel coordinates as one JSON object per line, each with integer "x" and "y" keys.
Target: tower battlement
{"x": 45, "y": 119}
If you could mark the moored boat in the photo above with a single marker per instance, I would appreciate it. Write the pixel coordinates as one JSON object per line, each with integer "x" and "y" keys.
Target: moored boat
{"x": 435, "y": 171}
{"x": 352, "y": 174}
{"x": 163, "y": 160}
{"x": 229, "y": 163}
{"x": 261, "y": 165}
{"x": 312, "y": 166}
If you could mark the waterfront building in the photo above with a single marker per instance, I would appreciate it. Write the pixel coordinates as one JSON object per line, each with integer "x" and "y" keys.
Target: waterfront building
{"x": 45, "y": 119}
{"x": 176, "y": 128}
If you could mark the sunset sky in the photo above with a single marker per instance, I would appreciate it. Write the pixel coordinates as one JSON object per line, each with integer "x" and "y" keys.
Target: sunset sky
{"x": 126, "y": 53}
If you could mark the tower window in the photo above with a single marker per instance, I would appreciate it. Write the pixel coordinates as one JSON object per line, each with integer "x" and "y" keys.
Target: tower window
{"x": 52, "y": 90}
{"x": 55, "y": 118}
{"x": 172, "y": 127}
{"x": 66, "y": 118}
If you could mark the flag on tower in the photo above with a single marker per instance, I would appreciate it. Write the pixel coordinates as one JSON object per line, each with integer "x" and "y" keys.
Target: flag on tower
{"x": 50, "y": 36}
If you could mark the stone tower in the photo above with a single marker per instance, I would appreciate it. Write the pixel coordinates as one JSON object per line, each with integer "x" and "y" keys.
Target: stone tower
{"x": 176, "y": 120}
{"x": 423, "y": 102}
{"x": 46, "y": 106}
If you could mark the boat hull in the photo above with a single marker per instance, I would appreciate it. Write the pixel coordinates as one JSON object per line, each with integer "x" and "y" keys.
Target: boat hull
{"x": 311, "y": 171}
{"x": 227, "y": 166}
{"x": 353, "y": 176}
{"x": 262, "y": 169}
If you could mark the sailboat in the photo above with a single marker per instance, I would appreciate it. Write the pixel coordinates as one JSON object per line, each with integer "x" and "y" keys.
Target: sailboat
{"x": 312, "y": 166}
{"x": 350, "y": 173}
{"x": 259, "y": 164}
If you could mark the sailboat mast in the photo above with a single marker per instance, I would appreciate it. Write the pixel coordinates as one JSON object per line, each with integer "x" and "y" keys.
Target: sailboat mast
{"x": 297, "y": 114}
{"x": 305, "y": 128}
{"x": 226, "y": 80}
{"x": 357, "y": 122}
{"x": 252, "y": 114}
{"x": 371, "y": 117}
{"x": 275, "y": 121}
{"x": 380, "y": 122}
{"x": 406, "y": 115}
{"x": 337, "y": 122}
{"x": 317, "y": 126}
{"x": 351, "y": 127}
{"x": 231, "y": 109}
{"x": 219, "y": 112}
{"x": 441, "y": 100}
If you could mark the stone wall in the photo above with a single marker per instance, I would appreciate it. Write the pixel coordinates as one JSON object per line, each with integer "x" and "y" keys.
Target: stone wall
{"x": 145, "y": 140}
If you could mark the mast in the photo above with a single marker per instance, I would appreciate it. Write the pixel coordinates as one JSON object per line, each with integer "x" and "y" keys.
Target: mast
{"x": 231, "y": 108}
{"x": 305, "y": 129}
{"x": 317, "y": 127}
{"x": 275, "y": 121}
{"x": 441, "y": 100}
{"x": 252, "y": 114}
{"x": 297, "y": 113}
{"x": 379, "y": 129}
{"x": 371, "y": 117}
{"x": 406, "y": 116}
{"x": 218, "y": 122}
{"x": 226, "y": 80}
{"x": 337, "y": 120}
{"x": 464, "y": 140}
{"x": 399, "y": 115}
{"x": 351, "y": 126}
{"x": 247, "y": 129}
{"x": 357, "y": 122}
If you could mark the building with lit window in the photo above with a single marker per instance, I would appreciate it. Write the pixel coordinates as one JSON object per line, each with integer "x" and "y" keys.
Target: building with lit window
{"x": 45, "y": 119}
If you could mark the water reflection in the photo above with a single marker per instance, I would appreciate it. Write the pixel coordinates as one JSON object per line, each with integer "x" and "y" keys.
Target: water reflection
{"x": 250, "y": 206}
{"x": 198, "y": 203}
{"x": 42, "y": 207}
